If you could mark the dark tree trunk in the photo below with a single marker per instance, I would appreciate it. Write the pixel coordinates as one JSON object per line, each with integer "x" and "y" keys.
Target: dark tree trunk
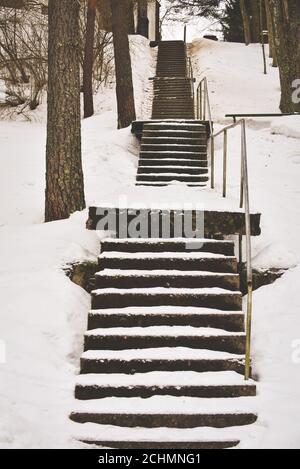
{"x": 64, "y": 177}
{"x": 130, "y": 17}
{"x": 143, "y": 22}
{"x": 246, "y": 22}
{"x": 124, "y": 85}
{"x": 89, "y": 59}
{"x": 254, "y": 11}
{"x": 286, "y": 22}
{"x": 272, "y": 48}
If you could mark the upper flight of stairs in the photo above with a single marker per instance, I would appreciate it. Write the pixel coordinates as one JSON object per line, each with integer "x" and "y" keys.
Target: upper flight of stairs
{"x": 164, "y": 347}
{"x": 174, "y": 145}
{"x": 172, "y": 87}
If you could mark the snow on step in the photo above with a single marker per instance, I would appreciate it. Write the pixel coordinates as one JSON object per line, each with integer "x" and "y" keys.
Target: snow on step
{"x": 165, "y": 353}
{"x": 159, "y": 310}
{"x": 189, "y": 241}
{"x": 167, "y": 291}
{"x": 176, "y": 168}
{"x": 163, "y": 255}
{"x": 167, "y": 405}
{"x": 163, "y": 378}
{"x": 166, "y": 331}
{"x": 158, "y": 437}
{"x": 160, "y": 273}
{"x": 166, "y": 183}
{"x": 174, "y": 174}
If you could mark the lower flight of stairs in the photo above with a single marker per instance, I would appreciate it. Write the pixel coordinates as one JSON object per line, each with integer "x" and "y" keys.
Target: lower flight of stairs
{"x": 164, "y": 350}
{"x": 173, "y": 151}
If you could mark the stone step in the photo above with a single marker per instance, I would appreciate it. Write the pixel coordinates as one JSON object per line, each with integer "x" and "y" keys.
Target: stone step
{"x": 124, "y": 338}
{"x": 167, "y": 316}
{"x": 139, "y": 245}
{"x": 201, "y": 297}
{"x": 159, "y": 359}
{"x": 181, "y": 383}
{"x": 172, "y": 115}
{"x": 166, "y": 411}
{"x": 174, "y": 141}
{"x": 165, "y": 184}
{"x": 180, "y": 155}
{"x": 154, "y": 438}
{"x": 168, "y": 147}
{"x": 172, "y": 162}
{"x": 176, "y": 126}
{"x": 113, "y": 278}
{"x": 169, "y": 177}
{"x": 175, "y": 133}
{"x": 171, "y": 169}
{"x": 184, "y": 261}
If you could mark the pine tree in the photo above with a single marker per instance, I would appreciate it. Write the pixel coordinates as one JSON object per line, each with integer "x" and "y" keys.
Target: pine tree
{"x": 64, "y": 176}
{"x": 286, "y": 22}
{"x": 89, "y": 59}
{"x": 124, "y": 84}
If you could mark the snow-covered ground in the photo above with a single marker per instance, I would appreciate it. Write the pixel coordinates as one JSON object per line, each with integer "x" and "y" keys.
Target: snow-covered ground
{"x": 43, "y": 314}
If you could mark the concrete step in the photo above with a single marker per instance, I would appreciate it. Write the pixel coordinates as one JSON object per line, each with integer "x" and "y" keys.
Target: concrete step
{"x": 211, "y": 385}
{"x": 154, "y": 438}
{"x": 170, "y": 177}
{"x": 168, "y": 147}
{"x": 142, "y": 170}
{"x": 166, "y": 411}
{"x": 180, "y": 155}
{"x": 195, "y": 261}
{"x": 174, "y": 141}
{"x": 172, "y": 162}
{"x": 175, "y": 133}
{"x": 125, "y": 338}
{"x": 202, "y": 297}
{"x": 111, "y": 278}
{"x": 176, "y": 126}
{"x": 167, "y": 316}
{"x": 159, "y": 359}
{"x": 165, "y": 184}
{"x": 171, "y": 115}
{"x": 168, "y": 245}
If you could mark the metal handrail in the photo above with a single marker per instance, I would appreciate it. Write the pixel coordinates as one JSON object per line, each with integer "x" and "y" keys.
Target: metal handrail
{"x": 203, "y": 107}
{"x": 191, "y": 76}
{"x": 244, "y": 202}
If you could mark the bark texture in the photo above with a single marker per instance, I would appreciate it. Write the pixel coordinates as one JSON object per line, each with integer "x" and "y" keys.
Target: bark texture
{"x": 89, "y": 59}
{"x": 64, "y": 176}
{"x": 286, "y": 23}
{"x": 246, "y": 23}
{"x": 124, "y": 84}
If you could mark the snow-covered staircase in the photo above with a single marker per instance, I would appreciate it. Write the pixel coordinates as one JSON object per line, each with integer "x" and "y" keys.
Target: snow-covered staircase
{"x": 164, "y": 350}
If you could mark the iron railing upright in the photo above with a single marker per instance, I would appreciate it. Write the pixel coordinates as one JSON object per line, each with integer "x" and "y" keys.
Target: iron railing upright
{"x": 203, "y": 111}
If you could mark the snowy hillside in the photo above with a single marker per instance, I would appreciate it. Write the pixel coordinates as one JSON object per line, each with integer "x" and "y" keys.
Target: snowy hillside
{"x": 43, "y": 314}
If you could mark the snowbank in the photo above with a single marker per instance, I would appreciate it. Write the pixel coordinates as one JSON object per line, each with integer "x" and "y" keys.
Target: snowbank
{"x": 235, "y": 78}
{"x": 288, "y": 126}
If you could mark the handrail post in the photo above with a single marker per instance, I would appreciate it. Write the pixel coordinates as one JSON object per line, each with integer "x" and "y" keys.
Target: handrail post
{"x": 184, "y": 34}
{"x": 225, "y": 164}
{"x": 248, "y": 251}
{"x": 212, "y": 162}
